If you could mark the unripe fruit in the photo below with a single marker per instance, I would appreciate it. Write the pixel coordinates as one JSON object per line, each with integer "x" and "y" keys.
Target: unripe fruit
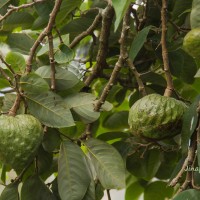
{"x": 191, "y": 43}
{"x": 156, "y": 117}
{"x": 20, "y": 137}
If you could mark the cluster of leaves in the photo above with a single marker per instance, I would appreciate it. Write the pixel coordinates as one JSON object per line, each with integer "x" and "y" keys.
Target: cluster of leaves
{"x": 79, "y": 168}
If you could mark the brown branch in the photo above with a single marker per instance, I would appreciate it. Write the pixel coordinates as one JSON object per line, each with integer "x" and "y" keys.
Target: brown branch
{"x": 107, "y": 16}
{"x": 122, "y": 57}
{"x": 43, "y": 34}
{"x": 52, "y": 61}
{"x": 188, "y": 162}
{"x": 7, "y": 65}
{"x": 89, "y": 31}
{"x": 108, "y": 194}
{"x": 170, "y": 87}
{"x": 137, "y": 77}
{"x": 15, "y": 107}
{"x": 59, "y": 35}
{"x": 6, "y": 76}
{"x": 12, "y": 8}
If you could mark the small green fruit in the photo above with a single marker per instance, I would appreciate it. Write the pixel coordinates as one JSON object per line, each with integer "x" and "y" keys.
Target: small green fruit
{"x": 191, "y": 43}
{"x": 156, "y": 117}
{"x": 20, "y": 138}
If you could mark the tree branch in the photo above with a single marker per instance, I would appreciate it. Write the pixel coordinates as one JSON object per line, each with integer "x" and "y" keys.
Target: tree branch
{"x": 137, "y": 77}
{"x": 12, "y": 8}
{"x": 43, "y": 34}
{"x": 89, "y": 31}
{"x": 107, "y": 16}
{"x": 52, "y": 61}
{"x": 170, "y": 86}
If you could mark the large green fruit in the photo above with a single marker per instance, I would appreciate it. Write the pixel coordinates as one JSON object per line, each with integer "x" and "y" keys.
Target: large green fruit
{"x": 20, "y": 137}
{"x": 191, "y": 43}
{"x": 156, "y": 117}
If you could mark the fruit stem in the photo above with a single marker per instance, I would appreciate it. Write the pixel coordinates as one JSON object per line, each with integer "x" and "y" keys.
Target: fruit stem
{"x": 15, "y": 107}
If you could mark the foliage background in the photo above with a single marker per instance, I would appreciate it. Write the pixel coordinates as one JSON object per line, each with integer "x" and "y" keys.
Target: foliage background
{"x": 78, "y": 66}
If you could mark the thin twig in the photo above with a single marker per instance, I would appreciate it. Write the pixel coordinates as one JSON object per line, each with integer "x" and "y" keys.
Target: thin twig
{"x": 107, "y": 17}
{"x": 137, "y": 77}
{"x": 12, "y": 8}
{"x": 188, "y": 162}
{"x": 89, "y": 31}
{"x": 43, "y": 34}
{"x": 170, "y": 87}
{"x": 6, "y": 64}
{"x": 108, "y": 194}
{"x": 52, "y": 61}
{"x": 3, "y": 73}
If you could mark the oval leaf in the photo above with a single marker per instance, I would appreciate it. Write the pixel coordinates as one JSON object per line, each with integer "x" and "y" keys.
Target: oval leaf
{"x": 33, "y": 83}
{"x": 107, "y": 162}
{"x": 64, "y": 78}
{"x": 73, "y": 176}
{"x": 34, "y": 188}
{"x": 10, "y": 192}
{"x": 50, "y": 109}
{"x": 188, "y": 194}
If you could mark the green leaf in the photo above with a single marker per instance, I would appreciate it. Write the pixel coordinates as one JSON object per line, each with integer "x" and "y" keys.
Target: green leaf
{"x": 66, "y": 8}
{"x": 44, "y": 160}
{"x": 50, "y": 109}
{"x": 25, "y": 44}
{"x": 83, "y": 105}
{"x": 8, "y": 102}
{"x": 34, "y": 188}
{"x": 56, "y": 43}
{"x": 179, "y": 8}
{"x": 182, "y": 65}
{"x": 73, "y": 176}
{"x": 64, "y": 54}
{"x": 157, "y": 190}
{"x": 144, "y": 166}
{"x": 138, "y": 42}
{"x": 190, "y": 119}
{"x": 107, "y": 162}
{"x": 117, "y": 121}
{"x": 134, "y": 191}
{"x": 188, "y": 194}
{"x": 90, "y": 194}
{"x": 17, "y": 62}
{"x": 18, "y": 19}
{"x": 10, "y": 192}
{"x": 33, "y": 83}
{"x": 3, "y": 3}
{"x": 4, "y": 83}
{"x": 64, "y": 78}
{"x": 112, "y": 136}
{"x": 154, "y": 78}
{"x": 51, "y": 140}
{"x": 120, "y": 9}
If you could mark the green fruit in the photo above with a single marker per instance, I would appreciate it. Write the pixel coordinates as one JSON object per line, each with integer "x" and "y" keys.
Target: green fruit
{"x": 20, "y": 138}
{"x": 156, "y": 117}
{"x": 191, "y": 43}
{"x": 195, "y": 14}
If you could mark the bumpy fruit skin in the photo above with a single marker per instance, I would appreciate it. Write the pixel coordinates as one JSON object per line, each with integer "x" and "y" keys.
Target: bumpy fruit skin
{"x": 20, "y": 137}
{"x": 156, "y": 117}
{"x": 191, "y": 43}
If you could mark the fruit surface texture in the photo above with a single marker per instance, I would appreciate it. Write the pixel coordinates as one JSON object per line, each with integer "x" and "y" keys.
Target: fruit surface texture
{"x": 156, "y": 117}
{"x": 20, "y": 138}
{"x": 191, "y": 43}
